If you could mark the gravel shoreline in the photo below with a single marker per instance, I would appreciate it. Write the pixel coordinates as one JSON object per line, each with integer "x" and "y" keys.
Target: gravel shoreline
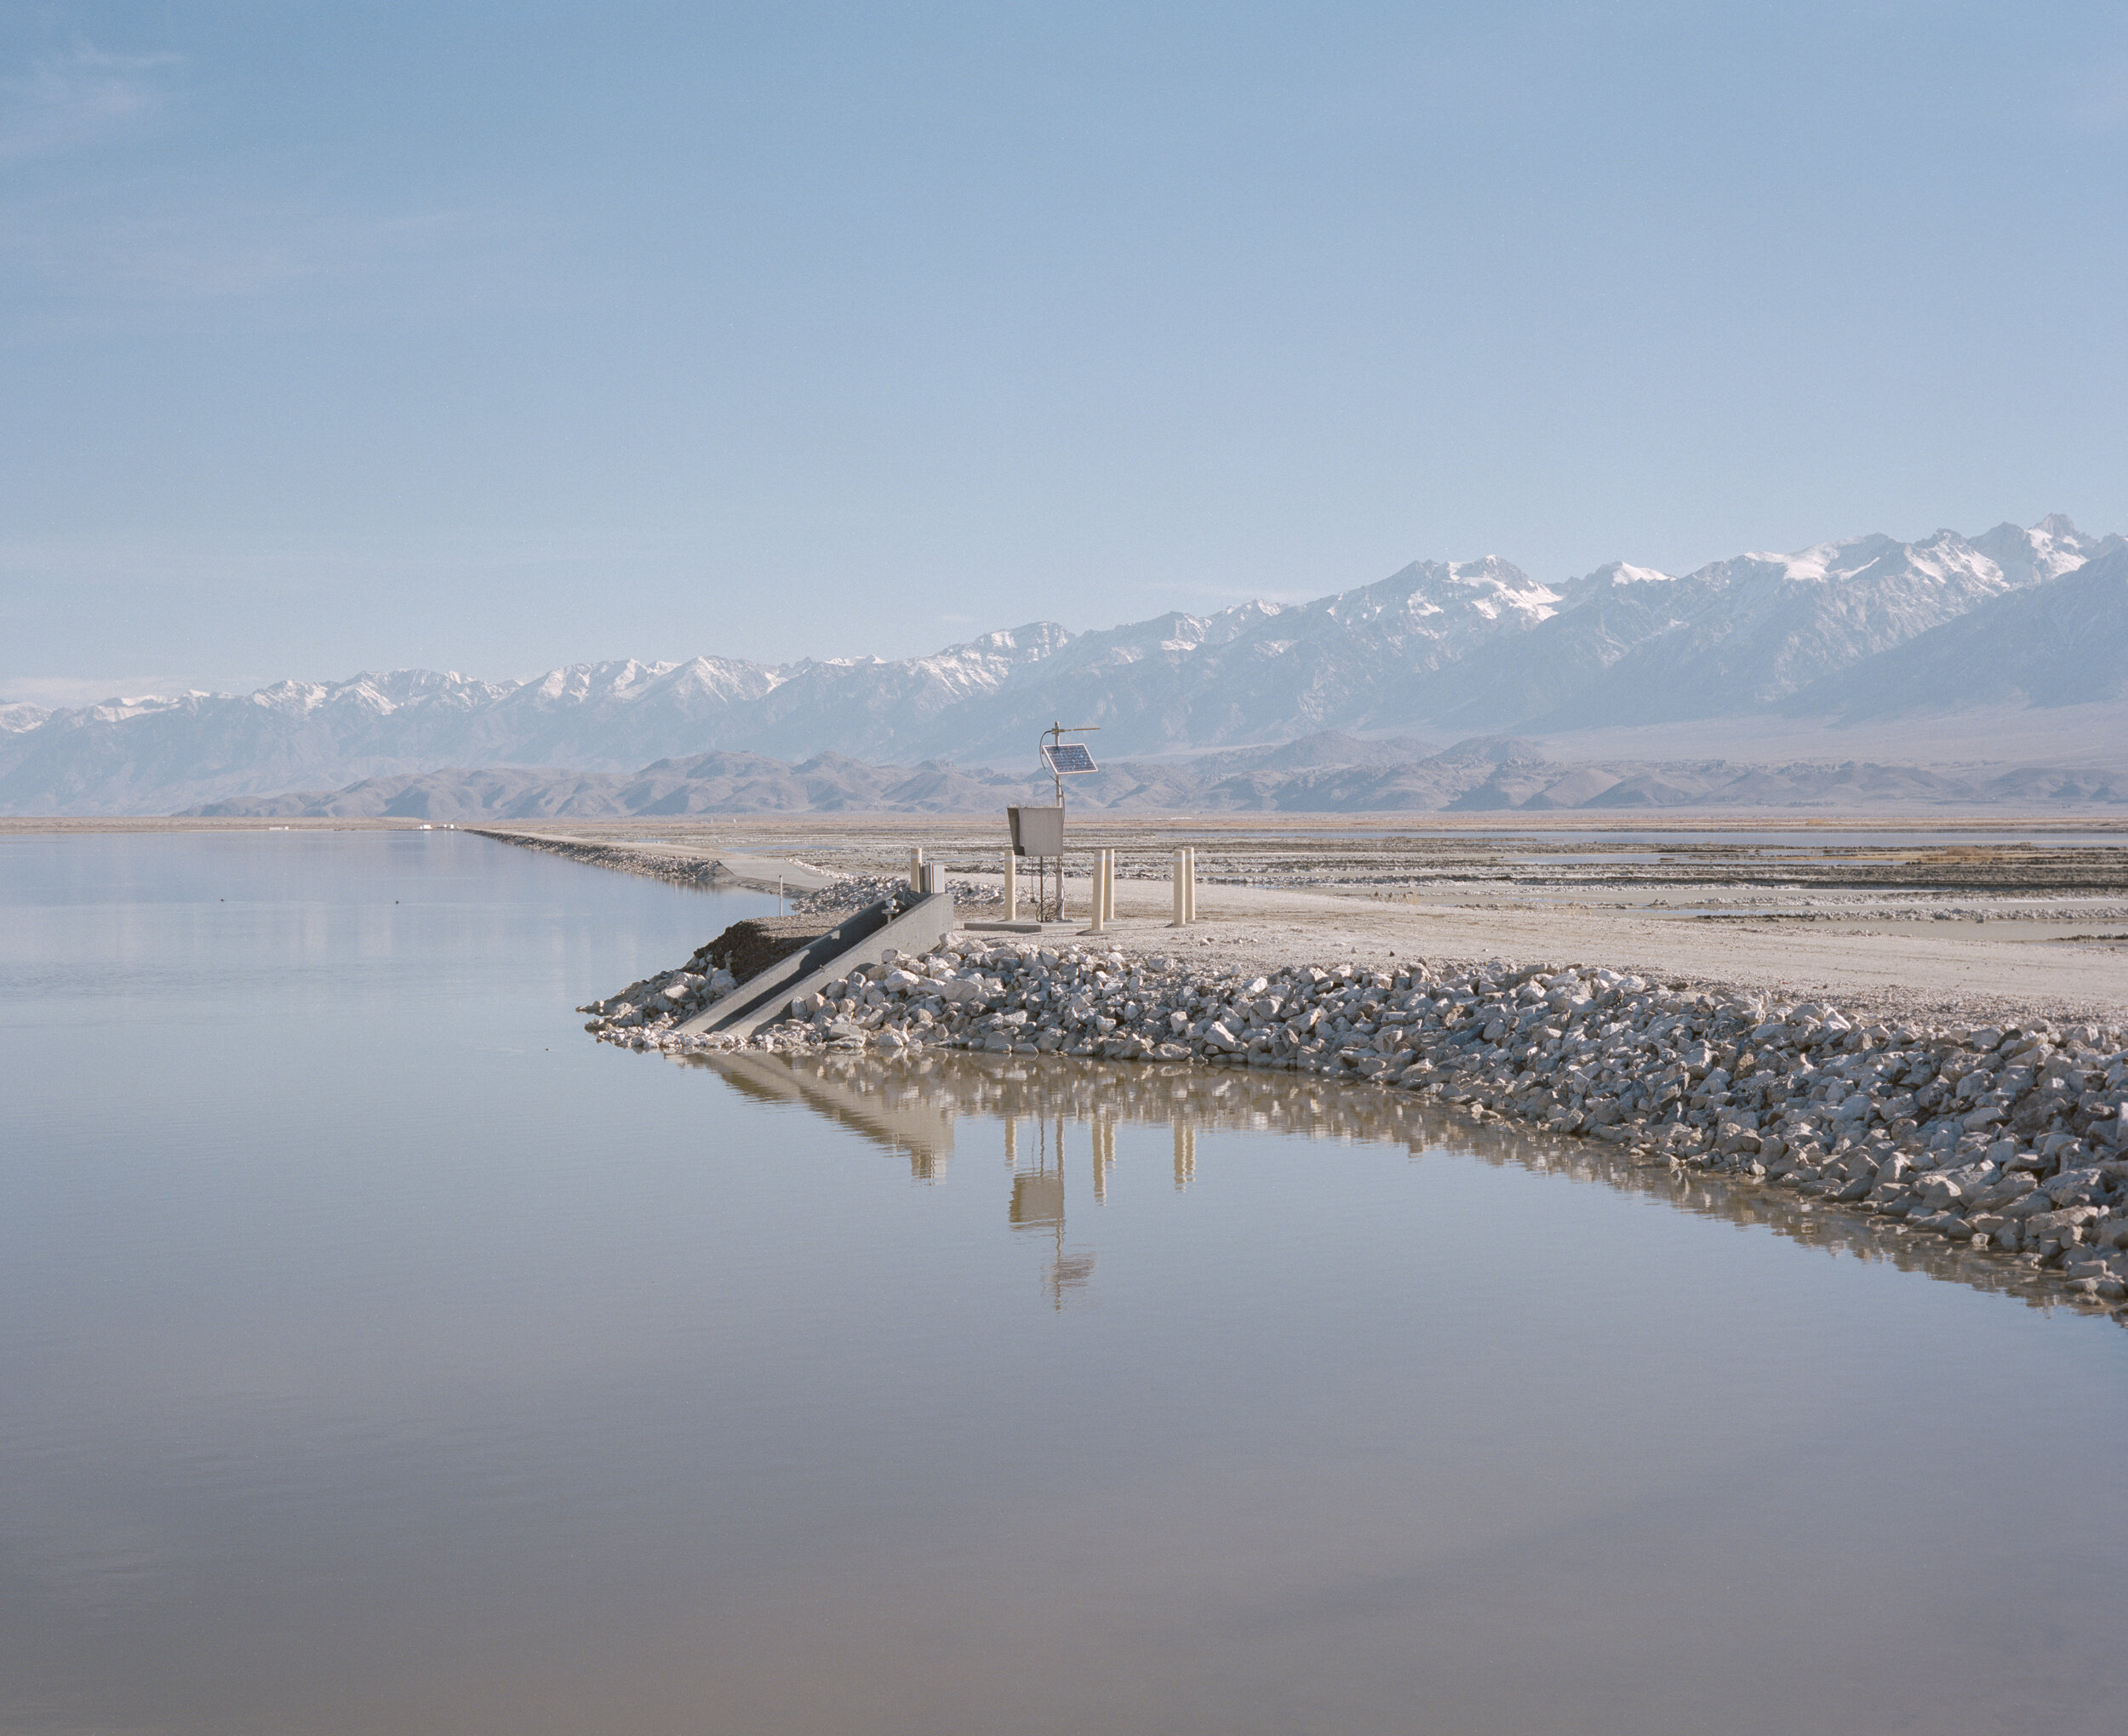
{"x": 2004, "y": 1138}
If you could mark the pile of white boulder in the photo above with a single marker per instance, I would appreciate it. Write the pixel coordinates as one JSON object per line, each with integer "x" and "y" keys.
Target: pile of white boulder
{"x": 657, "y": 1004}
{"x": 2011, "y": 1139}
{"x": 853, "y": 892}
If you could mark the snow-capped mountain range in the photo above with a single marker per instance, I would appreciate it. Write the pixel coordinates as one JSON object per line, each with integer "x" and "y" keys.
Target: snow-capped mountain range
{"x": 1866, "y": 628}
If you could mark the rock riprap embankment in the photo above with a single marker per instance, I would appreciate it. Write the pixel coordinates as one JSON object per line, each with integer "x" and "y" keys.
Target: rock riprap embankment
{"x": 855, "y": 891}
{"x": 2008, "y": 1137}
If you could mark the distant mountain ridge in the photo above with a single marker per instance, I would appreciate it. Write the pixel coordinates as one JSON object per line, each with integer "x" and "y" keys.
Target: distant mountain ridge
{"x": 1438, "y": 648}
{"x": 2044, "y": 645}
{"x": 1325, "y": 773}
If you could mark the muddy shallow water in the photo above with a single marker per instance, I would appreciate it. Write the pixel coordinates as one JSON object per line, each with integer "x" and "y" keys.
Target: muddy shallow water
{"x": 379, "y": 1354}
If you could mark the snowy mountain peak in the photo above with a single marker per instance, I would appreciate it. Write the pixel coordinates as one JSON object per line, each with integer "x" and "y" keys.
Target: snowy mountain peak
{"x": 2045, "y": 551}
{"x": 19, "y": 715}
{"x": 1453, "y": 649}
{"x": 1022, "y": 644}
{"x": 1445, "y": 605}
{"x": 1617, "y": 576}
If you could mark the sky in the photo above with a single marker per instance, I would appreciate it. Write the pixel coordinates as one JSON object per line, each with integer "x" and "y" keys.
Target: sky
{"x": 493, "y": 337}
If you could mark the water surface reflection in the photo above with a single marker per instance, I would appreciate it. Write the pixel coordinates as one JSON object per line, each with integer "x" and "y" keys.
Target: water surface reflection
{"x": 379, "y": 1355}
{"x": 1044, "y": 1110}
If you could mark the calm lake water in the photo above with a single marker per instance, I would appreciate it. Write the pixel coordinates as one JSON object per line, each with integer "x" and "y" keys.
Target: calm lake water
{"x": 379, "y": 1354}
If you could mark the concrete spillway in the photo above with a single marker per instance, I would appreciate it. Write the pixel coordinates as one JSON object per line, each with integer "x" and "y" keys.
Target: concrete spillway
{"x": 864, "y": 937}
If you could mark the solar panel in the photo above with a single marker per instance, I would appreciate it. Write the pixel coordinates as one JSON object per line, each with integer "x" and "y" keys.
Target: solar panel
{"x": 1068, "y": 757}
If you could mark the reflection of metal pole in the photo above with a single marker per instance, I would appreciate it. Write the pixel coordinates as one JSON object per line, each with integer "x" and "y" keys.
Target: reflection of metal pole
{"x": 1185, "y": 1153}
{"x": 1056, "y": 778}
{"x": 779, "y": 894}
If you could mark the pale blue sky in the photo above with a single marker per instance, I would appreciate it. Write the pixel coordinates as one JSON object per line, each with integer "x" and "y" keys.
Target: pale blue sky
{"x": 492, "y": 336}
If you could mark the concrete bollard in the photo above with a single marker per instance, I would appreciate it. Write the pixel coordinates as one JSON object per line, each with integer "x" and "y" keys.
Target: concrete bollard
{"x": 1185, "y": 886}
{"x": 1102, "y": 902}
{"x": 1012, "y": 888}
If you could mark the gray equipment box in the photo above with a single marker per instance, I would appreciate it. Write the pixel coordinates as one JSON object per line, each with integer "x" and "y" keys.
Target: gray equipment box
{"x": 1037, "y": 831}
